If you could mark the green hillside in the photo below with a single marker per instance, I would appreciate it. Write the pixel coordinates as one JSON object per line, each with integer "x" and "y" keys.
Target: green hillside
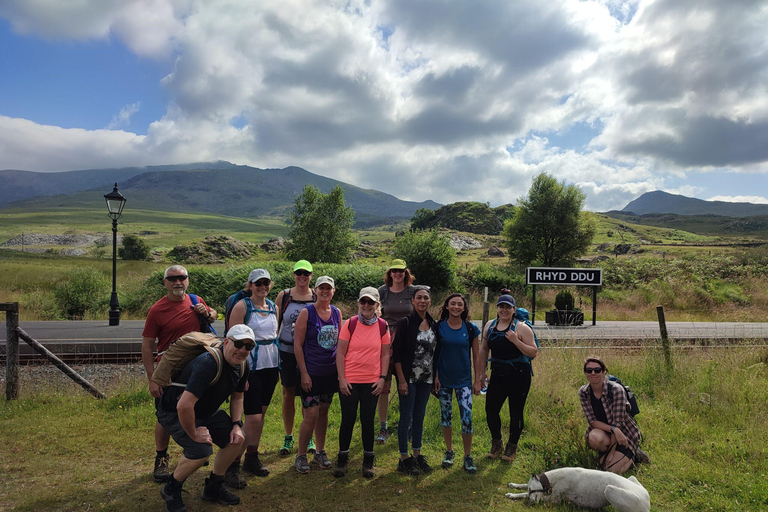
{"x": 745, "y": 228}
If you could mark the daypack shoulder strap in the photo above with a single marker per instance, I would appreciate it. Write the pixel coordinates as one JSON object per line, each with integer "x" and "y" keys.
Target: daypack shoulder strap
{"x": 352, "y": 325}
{"x": 193, "y": 298}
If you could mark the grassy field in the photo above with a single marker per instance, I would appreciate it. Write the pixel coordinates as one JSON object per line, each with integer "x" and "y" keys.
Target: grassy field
{"x": 703, "y": 425}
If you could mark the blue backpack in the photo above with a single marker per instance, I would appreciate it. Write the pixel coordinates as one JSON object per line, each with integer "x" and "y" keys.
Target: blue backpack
{"x": 205, "y": 326}
{"x": 233, "y": 299}
{"x": 521, "y": 315}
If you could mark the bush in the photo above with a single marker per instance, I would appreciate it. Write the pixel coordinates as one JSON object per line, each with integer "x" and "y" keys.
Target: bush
{"x": 430, "y": 258}
{"x": 134, "y": 248}
{"x": 494, "y": 277}
{"x": 85, "y": 290}
{"x": 564, "y": 300}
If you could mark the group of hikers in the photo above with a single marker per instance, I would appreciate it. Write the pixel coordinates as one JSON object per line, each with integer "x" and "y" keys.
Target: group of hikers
{"x": 302, "y": 341}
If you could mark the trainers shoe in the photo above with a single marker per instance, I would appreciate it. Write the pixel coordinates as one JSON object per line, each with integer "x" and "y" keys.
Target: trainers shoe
{"x": 383, "y": 436}
{"x": 448, "y": 459}
{"x": 408, "y": 466}
{"x": 341, "y": 465}
{"x": 311, "y": 446}
{"x": 509, "y": 452}
{"x": 173, "y": 501}
{"x": 218, "y": 492}
{"x": 322, "y": 460}
{"x": 252, "y": 464}
{"x": 368, "y": 465}
{"x": 161, "y": 472}
{"x": 287, "y": 446}
{"x": 469, "y": 465}
{"x": 641, "y": 457}
{"x": 424, "y": 467}
{"x": 232, "y": 476}
{"x": 301, "y": 464}
{"x": 497, "y": 448}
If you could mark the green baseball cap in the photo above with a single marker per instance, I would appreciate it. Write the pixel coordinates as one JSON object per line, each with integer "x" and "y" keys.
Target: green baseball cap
{"x": 302, "y": 265}
{"x": 397, "y": 264}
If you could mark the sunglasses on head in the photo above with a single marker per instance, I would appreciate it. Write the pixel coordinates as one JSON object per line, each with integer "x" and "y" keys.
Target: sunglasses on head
{"x": 176, "y": 278}
{"x": 398, "y": 271}
{"x": 593, "y": 370}
{"x": 240, "y": 344}
{"x": 261, "y": 282}
{"x": 302, "y": 273}
{"x": 367, "y": 302}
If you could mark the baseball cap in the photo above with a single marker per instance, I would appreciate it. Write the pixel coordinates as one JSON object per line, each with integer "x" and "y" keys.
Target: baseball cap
{"x": 325, "y": 280}
{"x": 506, "y": 299}
{"x": 302, "y": 265}
{"x": 397, "y": 264}
{"x": 370, "y": 292}
{"x": 257, "y": 274}
{"x": 240, "y": 332}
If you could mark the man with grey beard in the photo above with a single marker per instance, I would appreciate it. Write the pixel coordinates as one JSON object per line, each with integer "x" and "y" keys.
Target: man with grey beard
{"x": 169, "y": 319}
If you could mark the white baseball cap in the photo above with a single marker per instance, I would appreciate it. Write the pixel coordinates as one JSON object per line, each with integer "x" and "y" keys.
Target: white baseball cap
{"x": 240, "y": 332}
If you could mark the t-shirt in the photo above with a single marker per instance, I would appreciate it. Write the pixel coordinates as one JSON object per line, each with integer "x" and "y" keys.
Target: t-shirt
{"x": 197, "y": 376}
{"x": 396, "y": 305}
{"x": 291, "y": 313}
{"x": 169, "y": 320}
{"x": 362, "y": 363}
{"x": 423, "y": 355}
{"x": 455, "y": 365}
{"x": 320, "y": 342}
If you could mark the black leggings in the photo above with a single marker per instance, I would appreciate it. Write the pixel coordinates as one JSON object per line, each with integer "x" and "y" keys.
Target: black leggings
{"x": 507, "y": 383}
{"x": 361, "y": 394}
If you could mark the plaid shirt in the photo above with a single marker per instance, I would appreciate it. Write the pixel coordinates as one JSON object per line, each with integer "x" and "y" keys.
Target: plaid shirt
{"x": 614, "y": 400}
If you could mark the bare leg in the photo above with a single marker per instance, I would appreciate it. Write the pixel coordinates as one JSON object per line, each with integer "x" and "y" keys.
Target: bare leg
{"x": 225, "y": 457}
{"x": 186, "y": 467}
{"x": 162, "y": 438}
{"x": 448, "y": 438}
{"x": 467, "y": 441}
{"x": 289, "y": 409}
{"x": 307, "y": 427}
{"x": 321, "y": 426}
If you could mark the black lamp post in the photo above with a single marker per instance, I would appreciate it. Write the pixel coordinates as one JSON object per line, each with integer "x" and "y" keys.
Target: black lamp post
{"x": 115, "y": 203}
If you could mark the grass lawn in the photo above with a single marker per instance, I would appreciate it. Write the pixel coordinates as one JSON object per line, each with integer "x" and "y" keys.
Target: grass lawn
{"x": 704, "y": 427}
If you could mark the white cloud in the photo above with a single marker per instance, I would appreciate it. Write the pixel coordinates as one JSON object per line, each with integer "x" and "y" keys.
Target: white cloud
{"x": 740, "y": 199}
{"x": 123, "y": 118}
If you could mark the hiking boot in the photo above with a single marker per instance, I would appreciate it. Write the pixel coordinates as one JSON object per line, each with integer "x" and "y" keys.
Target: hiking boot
{"x": 368, "y": 465}
{"x": 448, "y": 459}
{"x": 421, "y": 463}
{"x": 252, "y": 464}
{"x": 322, "y": 460}
{"x": 301, "y": 464}
{"x": 641, "y": 457}
{"x": 509, "y": 452}
{"x": 469, "y": 465}
{"x": 341, "y": 465}
{"x": 161, "y": 472}
{"x": 233, "y": 478}
{"x": 408, "y": 467}
{"x": 497, "y": 447}
{"x": 287, "y": 446}
{"x": 217, "y": 491}
{"x": 383, "y": 436}
{"x": 173, "y": 501}
{"x": 311, "y": 446}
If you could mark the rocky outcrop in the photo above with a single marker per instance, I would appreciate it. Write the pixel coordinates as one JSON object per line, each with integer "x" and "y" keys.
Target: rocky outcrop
{"x": 214, "y": 249}
{"x": 495, "y": 252}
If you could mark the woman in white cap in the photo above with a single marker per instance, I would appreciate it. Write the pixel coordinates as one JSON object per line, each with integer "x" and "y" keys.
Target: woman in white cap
{"x": 508, "y": 341}
{"x": 316, "y": 336}
{"x": 362, "y": 354}
{"x": 395, "y": 294}
{"x": 260, "y": 314}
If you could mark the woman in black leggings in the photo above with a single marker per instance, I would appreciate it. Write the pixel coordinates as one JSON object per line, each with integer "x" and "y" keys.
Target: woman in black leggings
{"x": 510, "y": 344}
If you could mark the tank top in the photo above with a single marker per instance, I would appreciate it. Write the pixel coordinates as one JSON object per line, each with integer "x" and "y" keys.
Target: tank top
{"x": 290, "y": 315}
{"x": 320, "y": 342}
{"x": 501, "y": 347}
{"x": 266, "y": 353}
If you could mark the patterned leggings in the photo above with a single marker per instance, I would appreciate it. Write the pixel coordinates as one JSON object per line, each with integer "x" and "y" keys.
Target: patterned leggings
{"x": 464, "y": 399}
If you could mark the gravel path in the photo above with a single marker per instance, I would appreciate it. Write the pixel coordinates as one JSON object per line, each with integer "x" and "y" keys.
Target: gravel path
{"x": 48, "y": 379}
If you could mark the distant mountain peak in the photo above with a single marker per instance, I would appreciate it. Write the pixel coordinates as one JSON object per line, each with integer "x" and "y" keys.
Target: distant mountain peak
{"x": 660, "y": 202}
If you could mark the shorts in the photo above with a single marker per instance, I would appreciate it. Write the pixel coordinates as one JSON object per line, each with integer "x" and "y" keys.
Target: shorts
{"x": 289, "y": 370}
{"x": 219, "y": 426}
{"x": 261, "y": 387}
{"x": 323, "y": 389}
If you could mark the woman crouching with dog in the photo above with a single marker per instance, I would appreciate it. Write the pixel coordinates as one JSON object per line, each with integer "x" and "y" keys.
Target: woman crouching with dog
{"x": 611, "y": 431}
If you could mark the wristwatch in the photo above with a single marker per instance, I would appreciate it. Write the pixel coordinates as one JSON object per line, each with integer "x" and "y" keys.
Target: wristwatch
{"x": 612, "y": 428}
{"x": 239, "y": 423}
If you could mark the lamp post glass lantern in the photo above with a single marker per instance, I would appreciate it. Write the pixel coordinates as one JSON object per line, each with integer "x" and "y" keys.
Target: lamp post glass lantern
{"x": 115, "y": 203}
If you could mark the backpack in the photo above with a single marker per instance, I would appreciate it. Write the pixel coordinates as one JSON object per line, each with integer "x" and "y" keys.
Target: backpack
{"x": 230, "y": 303}
{"x": 182, "y": 351}
{"x": 521, "y": 315}
{"x": 205, "y": 325}
{"x": 353, "y": 324}
{"x": 384, "y": 292}
{"x": 284, "y": 304}
{"x": 632, "y": 408}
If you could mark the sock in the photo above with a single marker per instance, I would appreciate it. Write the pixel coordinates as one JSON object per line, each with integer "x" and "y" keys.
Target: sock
{"x": 367, "y": 453}
{"x": 252, "y": 449}
{"x": 382, "y": 424}
{"x": 162, "y": 453}
{"x": 343, "y": 452}
{"x": 174, "y": 484}
{"x": 216, "y": 479}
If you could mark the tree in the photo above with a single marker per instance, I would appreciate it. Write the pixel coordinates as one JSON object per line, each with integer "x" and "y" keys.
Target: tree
{"x": 429, "y": 256}
{"x": 320, "y": 227}
{"x": 134, "y": 248}
{"x": 422, "y": 218}
{"x": 549, "y": 226}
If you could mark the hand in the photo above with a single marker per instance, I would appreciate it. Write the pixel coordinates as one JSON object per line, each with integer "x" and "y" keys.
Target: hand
{"x": 402, "y": 388}
{"x": 436, "y": 386}
{"x": 202, "y": 436}
{"x": 345, "y": 388}
{"x": 511, "y": 336}
{"x": 387, "y": 387}
{"x": 378, "y": 386}
{"x": 477, "y": 387}
{"x": 306, "y": 382}
{"x": 155, "y": 390}
{"x": 620, "y": 437}
{"x": 236, "y": 436}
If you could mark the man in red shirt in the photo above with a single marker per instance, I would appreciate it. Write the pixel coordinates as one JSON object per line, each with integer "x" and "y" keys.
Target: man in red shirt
{"x": 168, "y": 319}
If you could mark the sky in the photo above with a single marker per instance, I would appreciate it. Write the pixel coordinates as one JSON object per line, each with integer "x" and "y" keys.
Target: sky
{"x": 449, "y": 100}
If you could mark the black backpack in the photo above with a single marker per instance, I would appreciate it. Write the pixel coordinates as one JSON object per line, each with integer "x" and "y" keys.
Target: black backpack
{"x": 632, "y": 408}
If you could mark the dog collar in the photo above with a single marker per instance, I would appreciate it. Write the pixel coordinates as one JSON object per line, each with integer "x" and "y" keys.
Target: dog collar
{"x": 547, "y": 487}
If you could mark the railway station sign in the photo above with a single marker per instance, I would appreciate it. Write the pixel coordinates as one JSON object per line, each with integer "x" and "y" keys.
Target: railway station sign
{"x": 564, "y": 276}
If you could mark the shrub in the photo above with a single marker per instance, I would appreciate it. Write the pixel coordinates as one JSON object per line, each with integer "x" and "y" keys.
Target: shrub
{"x": 134, "y": 248}
{"x": 494, "y": 277}
{"x": 85, "y": 290}
{"x": 430, "y": 258}
{"x": 564, "y": 300}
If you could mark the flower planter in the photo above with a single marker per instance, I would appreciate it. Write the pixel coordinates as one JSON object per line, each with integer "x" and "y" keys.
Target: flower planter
{"x": 564, "y": 317}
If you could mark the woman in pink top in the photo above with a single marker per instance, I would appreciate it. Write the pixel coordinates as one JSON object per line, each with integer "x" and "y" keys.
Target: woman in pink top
{"x": 362, "y": 356}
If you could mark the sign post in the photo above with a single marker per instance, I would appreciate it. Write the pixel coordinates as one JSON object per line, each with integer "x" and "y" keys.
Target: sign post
{"x": 565, "y": 276}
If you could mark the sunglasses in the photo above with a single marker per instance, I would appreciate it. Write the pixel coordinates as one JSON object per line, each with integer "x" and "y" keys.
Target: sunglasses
{"x": 261, "y": 282}
{"x": 173, "y": 279}
{"x": 398, "y": 271}
{"x": 239, "y": 344}
{"x": 302, "y": 273}
{"x": 367, "y": 302}
{"x": 593, "y": 370}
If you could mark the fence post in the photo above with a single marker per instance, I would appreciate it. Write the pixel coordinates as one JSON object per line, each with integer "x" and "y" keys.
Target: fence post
{"x": 664, "y": 336}
{"x": 486, "y": 308}
{"x": 11, "y": 349}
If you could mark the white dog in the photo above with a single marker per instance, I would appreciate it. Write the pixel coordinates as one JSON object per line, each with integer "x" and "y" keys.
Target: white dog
{"x": 586, "y": 488}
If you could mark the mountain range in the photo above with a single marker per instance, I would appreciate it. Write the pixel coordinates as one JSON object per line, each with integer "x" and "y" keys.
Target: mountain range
{"x": 664, "y": 202}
